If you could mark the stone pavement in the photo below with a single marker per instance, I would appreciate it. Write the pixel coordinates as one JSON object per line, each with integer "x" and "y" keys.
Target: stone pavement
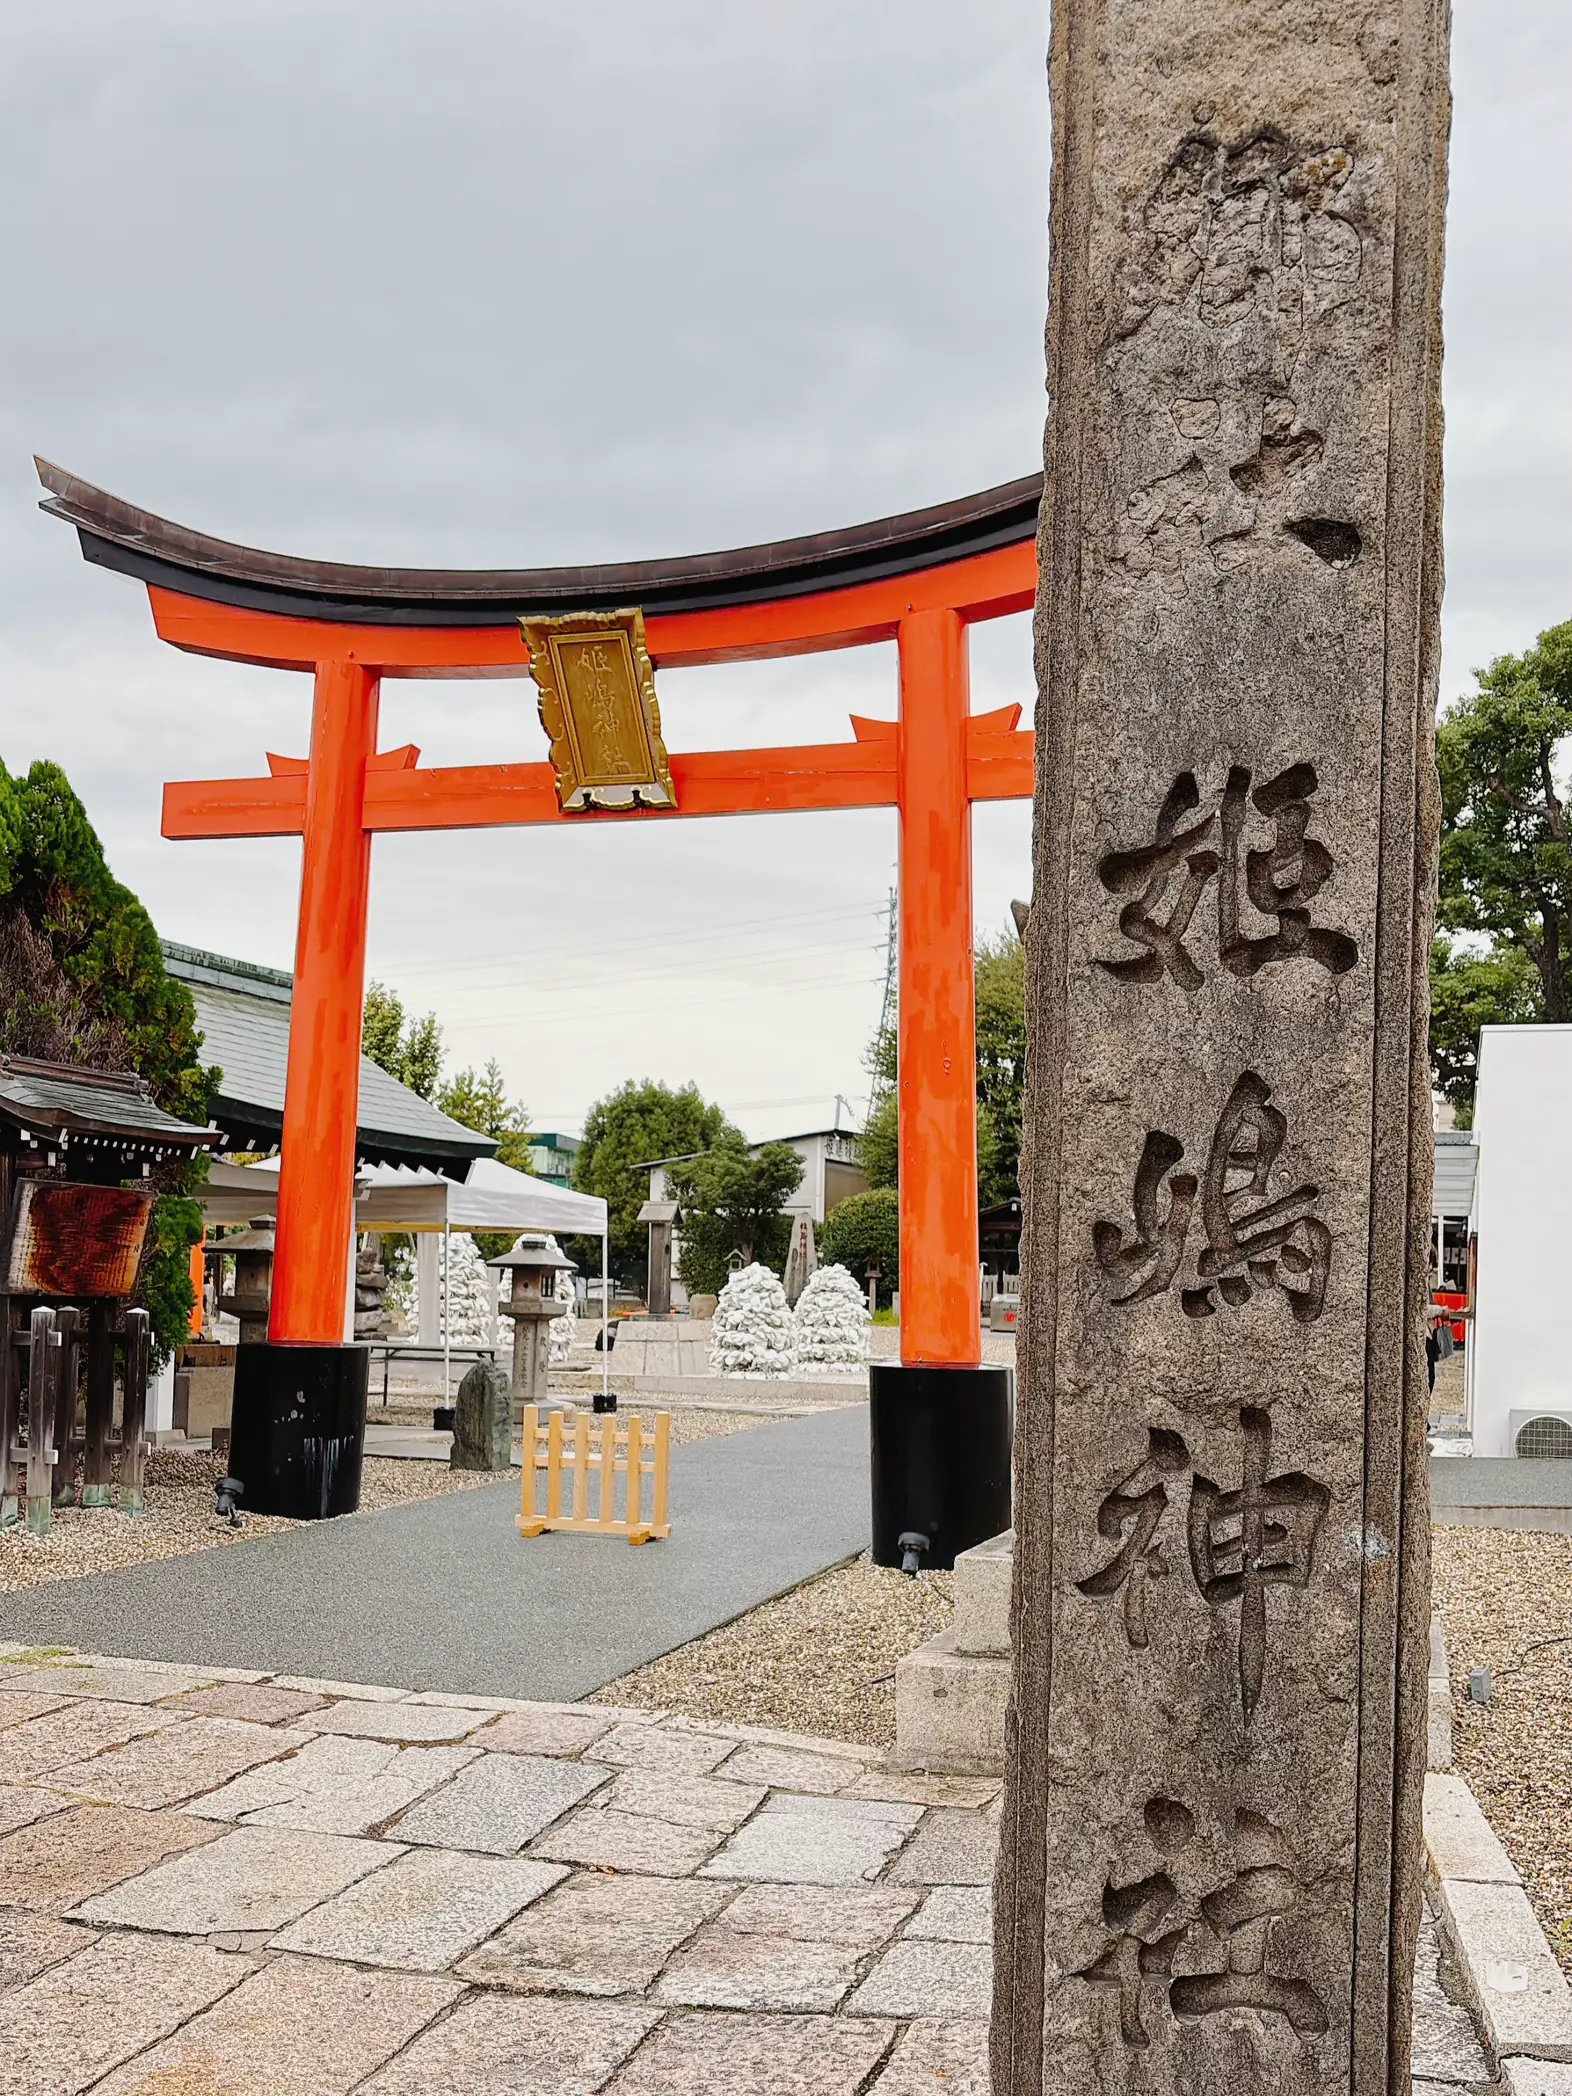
{"x": 443, "y": 1593}
{"x": 216, "y": 1883}
{"x": 225, "y": 1884}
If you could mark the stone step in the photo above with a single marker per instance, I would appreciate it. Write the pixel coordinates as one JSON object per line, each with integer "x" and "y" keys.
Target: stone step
{"x": 949, "y": 1709}
{"x": 982, "y": 1597}
{"x": 950, "y": 1693}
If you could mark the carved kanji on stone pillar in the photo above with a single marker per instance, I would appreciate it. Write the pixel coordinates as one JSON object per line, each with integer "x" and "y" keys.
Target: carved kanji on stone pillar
{"x": 1209, "y": 1877}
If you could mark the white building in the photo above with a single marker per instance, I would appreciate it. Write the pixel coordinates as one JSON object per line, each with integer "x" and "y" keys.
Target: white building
{"x": 831, "y": 1173}
{"x": 1519, "y": 1365}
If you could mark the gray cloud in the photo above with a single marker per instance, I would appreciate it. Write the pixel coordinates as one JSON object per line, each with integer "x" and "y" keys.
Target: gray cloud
{"x": 499, "y": 283}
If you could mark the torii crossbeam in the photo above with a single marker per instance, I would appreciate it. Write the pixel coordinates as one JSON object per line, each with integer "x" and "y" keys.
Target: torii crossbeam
{"x": 919, "y": 579}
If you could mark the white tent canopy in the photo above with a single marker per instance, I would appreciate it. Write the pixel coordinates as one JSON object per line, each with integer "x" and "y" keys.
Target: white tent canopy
{"x": 397, "y": 1197}
{"x": 493, "y": 1197}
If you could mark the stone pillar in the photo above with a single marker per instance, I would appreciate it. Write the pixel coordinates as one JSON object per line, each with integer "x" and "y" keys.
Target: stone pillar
{"x": 428, "y": 1289}
{"x": 531, "y": 1319}
{"x": 1209, "y": 1877}
{"x": 658, "y": 1286}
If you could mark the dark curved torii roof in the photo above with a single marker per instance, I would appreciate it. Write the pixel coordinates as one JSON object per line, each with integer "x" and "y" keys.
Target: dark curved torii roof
{"x": 132, "y": 541}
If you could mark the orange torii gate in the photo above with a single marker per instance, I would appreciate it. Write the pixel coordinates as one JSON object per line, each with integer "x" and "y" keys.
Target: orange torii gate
{"x": 919, "y": 579}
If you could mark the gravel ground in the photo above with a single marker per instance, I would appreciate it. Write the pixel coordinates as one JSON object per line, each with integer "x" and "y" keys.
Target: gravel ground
{"x": 820, "y": 1659}
{"x": 1501, "y": 1595}
{"x": 180, "y": 1518}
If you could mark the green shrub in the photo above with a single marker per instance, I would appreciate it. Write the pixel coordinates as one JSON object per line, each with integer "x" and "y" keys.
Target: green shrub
{"x": 864, "y": 1229}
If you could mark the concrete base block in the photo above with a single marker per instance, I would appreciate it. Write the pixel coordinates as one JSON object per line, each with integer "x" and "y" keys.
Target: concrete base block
{"x": 982, "y": 1597}
{"x": 949, "y": 1709}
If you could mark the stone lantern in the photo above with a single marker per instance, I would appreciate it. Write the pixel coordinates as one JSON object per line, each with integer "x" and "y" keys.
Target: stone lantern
{"x": 252, "y": 1252}
{"x": 531, "y": 1301}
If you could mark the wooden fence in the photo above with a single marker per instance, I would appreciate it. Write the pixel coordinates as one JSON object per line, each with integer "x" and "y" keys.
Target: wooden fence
{"x": 607, "y": 1448}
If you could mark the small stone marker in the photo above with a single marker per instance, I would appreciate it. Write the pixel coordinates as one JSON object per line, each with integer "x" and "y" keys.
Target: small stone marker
{"x": 1210, "y": 1868}
{"x": 483, "y": 1420}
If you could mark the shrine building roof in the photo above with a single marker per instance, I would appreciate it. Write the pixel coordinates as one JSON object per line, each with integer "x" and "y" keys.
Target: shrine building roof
{"x": 243, "y": 1011}
{"x": 47, "y": 1099}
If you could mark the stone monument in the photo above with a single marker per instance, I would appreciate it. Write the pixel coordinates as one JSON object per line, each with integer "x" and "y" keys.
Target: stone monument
{"x": 1209, "y": 1877}
{"x": 483, "y": 1420}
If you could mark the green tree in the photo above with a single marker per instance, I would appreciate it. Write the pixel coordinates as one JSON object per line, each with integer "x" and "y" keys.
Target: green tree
{"x": 1506, "y": 859}
{"x": 1506, "y": 856}
{"x": 878, "y": 1147}
{"x": 408, "y": 1048}
{"x": 82, "y": 977}
{"x": 864, "y": 1231}
{"x": 1468, "y": 991}
{"x": 1000, "y": 988}
{"x": 732, "y": 1200}
{"x": 482, "y": 1103}
{"x": 640, "y": 1121}
{"x": 1000, "y": 971}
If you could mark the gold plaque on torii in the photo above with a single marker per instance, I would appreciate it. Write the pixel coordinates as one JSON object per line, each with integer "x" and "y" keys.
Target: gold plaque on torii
{"x": 598, "y": 706}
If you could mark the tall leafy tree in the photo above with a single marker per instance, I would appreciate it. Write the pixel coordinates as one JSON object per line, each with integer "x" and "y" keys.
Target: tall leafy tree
{"x": 1506, "y": 852}
{"x": 865, "y": 1231}
{"x": 82, "y": 980}
{"x": 480, "y": 1101}
{"x": 1468, "y": 991}
{"x": 878, "y": 1147}
{"x": 639, "y": 1121}
{"x": 999, "y": 975}
{"x": 407, "y": 1047}
{"x": 732, "y": 1201}
{"x": 1505, "y": 951}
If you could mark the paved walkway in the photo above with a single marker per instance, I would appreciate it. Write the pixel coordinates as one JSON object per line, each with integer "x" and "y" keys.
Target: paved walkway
{"x": 255, "y": 1886}
{"x": 444, "y": 1594}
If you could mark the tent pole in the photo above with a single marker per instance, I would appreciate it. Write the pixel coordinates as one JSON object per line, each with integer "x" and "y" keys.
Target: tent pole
{"x": 447, "y": 1378}
{"x": 605, "y": 1352}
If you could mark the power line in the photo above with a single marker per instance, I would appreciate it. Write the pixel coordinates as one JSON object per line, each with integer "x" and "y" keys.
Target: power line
{"x": 737, "y": 928}
{"x": 753, "y": 991}
{"x": 683, "y": 971}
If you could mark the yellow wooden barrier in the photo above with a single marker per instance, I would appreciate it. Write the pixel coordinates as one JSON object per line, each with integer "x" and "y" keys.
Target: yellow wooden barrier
{"x": 609, "y": 1446}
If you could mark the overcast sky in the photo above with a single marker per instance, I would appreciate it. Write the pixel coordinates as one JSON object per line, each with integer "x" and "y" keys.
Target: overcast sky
{"x": 512, "y": 281}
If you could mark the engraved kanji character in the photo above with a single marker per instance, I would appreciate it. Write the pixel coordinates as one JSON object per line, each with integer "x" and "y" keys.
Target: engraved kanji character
{"x": 1146, "y": 875}
{"x": 1241, "y": 1913}
{"x": 1137, "y": 1503}
{"x": 1280, "y": 881}
{"x": 1261, "y": 1535}
{"x": 1135, "y": 1911}
{"x": 1256, "y": 1246}
{"x": 1151, "y": 1259}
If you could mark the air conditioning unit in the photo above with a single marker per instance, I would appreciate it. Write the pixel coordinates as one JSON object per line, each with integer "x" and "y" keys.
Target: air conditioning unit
{"x": 1542, "y": 1435}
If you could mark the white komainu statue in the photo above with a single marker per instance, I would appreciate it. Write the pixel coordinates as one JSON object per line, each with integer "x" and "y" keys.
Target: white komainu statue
{"x": 469, "y": 1298}
{"x": 564, "y": 1327}
{"x": 752, "y": 1331}
{"x": 832, "y": 1323}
